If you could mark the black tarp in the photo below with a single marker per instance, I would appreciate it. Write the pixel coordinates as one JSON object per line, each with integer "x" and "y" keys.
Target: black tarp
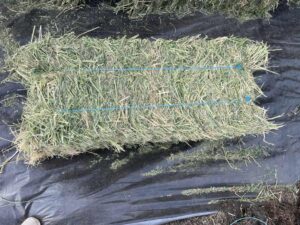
{"x": 79, "y": 191}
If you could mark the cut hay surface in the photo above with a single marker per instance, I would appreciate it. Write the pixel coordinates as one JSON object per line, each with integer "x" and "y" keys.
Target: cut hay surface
{"x": 69, "y": 79}
{"x": 242, "y": 9}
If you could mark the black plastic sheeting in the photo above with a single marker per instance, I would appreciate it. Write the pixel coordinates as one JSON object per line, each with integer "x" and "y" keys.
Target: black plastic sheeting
{"x": 79, "y": 191}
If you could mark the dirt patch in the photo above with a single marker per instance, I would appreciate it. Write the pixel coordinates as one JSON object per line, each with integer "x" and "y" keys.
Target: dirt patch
{"x": 284, "y": 209}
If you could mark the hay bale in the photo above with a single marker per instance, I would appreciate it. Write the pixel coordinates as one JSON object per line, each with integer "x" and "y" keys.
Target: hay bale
{"x": 242, "y": 9}
{"x": 86, "y": 93}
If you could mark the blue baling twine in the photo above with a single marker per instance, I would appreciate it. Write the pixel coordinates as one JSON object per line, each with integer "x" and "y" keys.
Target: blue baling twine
{"x": 181, "y": 68}
{"x": 249, "y": 218}
{"x": 156, "y": 106}
{"x": 150, "y": 106}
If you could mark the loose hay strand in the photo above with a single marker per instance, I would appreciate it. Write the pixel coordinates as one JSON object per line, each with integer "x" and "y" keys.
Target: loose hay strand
{"x": 67, "y": 73}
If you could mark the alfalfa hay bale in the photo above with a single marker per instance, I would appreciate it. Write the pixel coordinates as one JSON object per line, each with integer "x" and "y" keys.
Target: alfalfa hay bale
{"x": 242, "y": 9}
{"x": 86, "y": 94}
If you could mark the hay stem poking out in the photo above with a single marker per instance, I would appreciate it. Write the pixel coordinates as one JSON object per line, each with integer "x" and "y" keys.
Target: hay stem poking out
{"x": 69, "y": 73}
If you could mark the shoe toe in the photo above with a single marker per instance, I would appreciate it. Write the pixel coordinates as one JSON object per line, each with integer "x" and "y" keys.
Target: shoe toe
{"x": 31, "y": 221}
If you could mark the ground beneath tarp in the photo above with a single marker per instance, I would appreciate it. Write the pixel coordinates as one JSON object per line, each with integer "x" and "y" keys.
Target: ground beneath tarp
{"x": 284, "y": 209}
{"x": 87, "y": 189}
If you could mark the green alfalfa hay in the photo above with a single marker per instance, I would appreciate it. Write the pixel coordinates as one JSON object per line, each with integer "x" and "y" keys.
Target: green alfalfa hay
{"x": 23, "y": 6}
{"x": 294, "y": 3}
{"x": 54, "y": 2}
{"x": 242, "y": 9}
{"x": 54, "y": 70}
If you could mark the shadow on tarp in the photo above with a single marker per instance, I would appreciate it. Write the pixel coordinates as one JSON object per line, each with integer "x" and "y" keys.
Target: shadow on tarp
{"x": 82, "y": 191}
